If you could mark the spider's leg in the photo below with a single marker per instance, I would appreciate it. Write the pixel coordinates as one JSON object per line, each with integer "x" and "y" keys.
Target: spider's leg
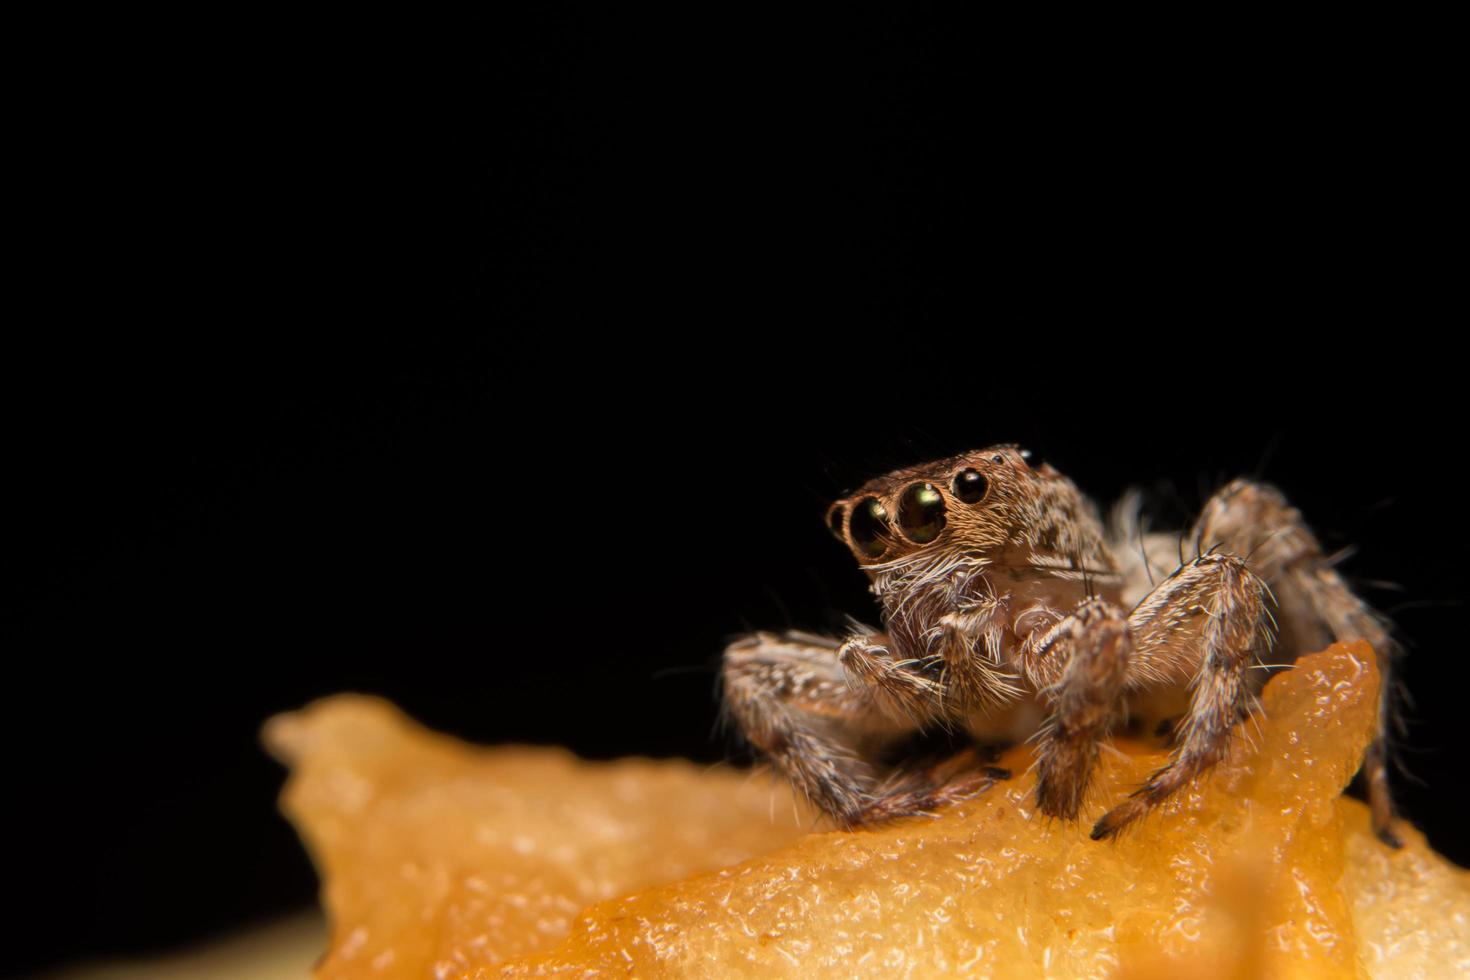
{"x": 790, "y": 698}
{"x": 1207, "y": 621}
{"x": 959, "y": 778}
{"x": 823, "y": 712}
{"x": 918, "y": 692}
{"x": 1313, "y": 605}
{"x": 1080, "y": 666}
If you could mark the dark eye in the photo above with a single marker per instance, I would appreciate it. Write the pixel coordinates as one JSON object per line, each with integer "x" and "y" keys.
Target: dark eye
{"x": 868, "y": 527}
{"x": 835, "y": 518}
{"x": 970, "y": 486}
{"x": 1032, "y": 460}
{"x": 921, "y": 513}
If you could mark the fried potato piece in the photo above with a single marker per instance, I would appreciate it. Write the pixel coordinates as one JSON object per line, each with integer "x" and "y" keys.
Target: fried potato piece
{"x": 451, "y": 862}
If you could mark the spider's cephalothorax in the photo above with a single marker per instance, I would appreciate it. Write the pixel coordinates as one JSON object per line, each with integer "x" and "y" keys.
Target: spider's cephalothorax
{"x": 1010, "y": 611}
{"x": 943, "y": 541}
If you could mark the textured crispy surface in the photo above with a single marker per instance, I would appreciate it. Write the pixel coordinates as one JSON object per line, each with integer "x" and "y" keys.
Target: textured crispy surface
{"x": 437, "y": 856}
{"x": 442, "y": 861}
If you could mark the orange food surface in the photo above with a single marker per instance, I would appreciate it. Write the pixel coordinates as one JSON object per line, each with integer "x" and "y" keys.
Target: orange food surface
{"x": 437, "y": 856}
{"x": 442, "y": 860}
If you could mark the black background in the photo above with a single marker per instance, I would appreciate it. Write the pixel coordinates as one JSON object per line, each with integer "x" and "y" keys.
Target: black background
{"x": 510, "y": 393}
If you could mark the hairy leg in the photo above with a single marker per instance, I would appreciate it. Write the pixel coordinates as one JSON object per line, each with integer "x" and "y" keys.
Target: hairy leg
{"x": 790, "y": 699}
{"x": 821, "y": 711}
{"x": 1313, "y": 603}
{"x": 918, "y": 693}
{"x": 1080, "y": 666}
{"x": 958, "y": 778}
{"x": 960, "y": 673}
{"x": 1208, "y": 621}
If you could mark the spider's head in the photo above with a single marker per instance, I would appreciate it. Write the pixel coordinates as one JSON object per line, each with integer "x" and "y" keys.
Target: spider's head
{"x": 975, "y": 503}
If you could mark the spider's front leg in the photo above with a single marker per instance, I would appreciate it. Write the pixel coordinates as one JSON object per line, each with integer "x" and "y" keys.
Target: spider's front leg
{"x": 935, "y": 689}
{"x": 918, "y": 692}
{"x": 1206, "y": 623}
{"x": 787, "y": 694}
{"x": 1313, "y": 605}
{"x": 1080, "y": 665}
{"x": 822, "y": 711}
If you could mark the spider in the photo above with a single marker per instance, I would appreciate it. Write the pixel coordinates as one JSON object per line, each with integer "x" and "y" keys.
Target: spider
{"x": 1010, "y": 612}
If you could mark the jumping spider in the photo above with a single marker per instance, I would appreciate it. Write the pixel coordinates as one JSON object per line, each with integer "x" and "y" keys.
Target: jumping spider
{"x": 1012, "y": 612}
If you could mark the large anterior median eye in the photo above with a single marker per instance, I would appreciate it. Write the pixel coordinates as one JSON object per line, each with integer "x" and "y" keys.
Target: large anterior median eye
{"x": 970, "y": 486}
{"x": 921, "y": 513}
{"x": 869, "y": 527}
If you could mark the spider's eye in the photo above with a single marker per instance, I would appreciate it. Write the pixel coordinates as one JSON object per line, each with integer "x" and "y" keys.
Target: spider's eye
{"x": 1032, "y": 460}
{"x": 921, "y": 513}
{"x": 970, "y": 486}
{"x": 868, "y": 527}
{"x": 835, "y": 518}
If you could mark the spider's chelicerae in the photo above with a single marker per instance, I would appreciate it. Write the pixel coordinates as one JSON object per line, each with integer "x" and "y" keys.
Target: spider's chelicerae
{"x": 1011, "y": 611}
